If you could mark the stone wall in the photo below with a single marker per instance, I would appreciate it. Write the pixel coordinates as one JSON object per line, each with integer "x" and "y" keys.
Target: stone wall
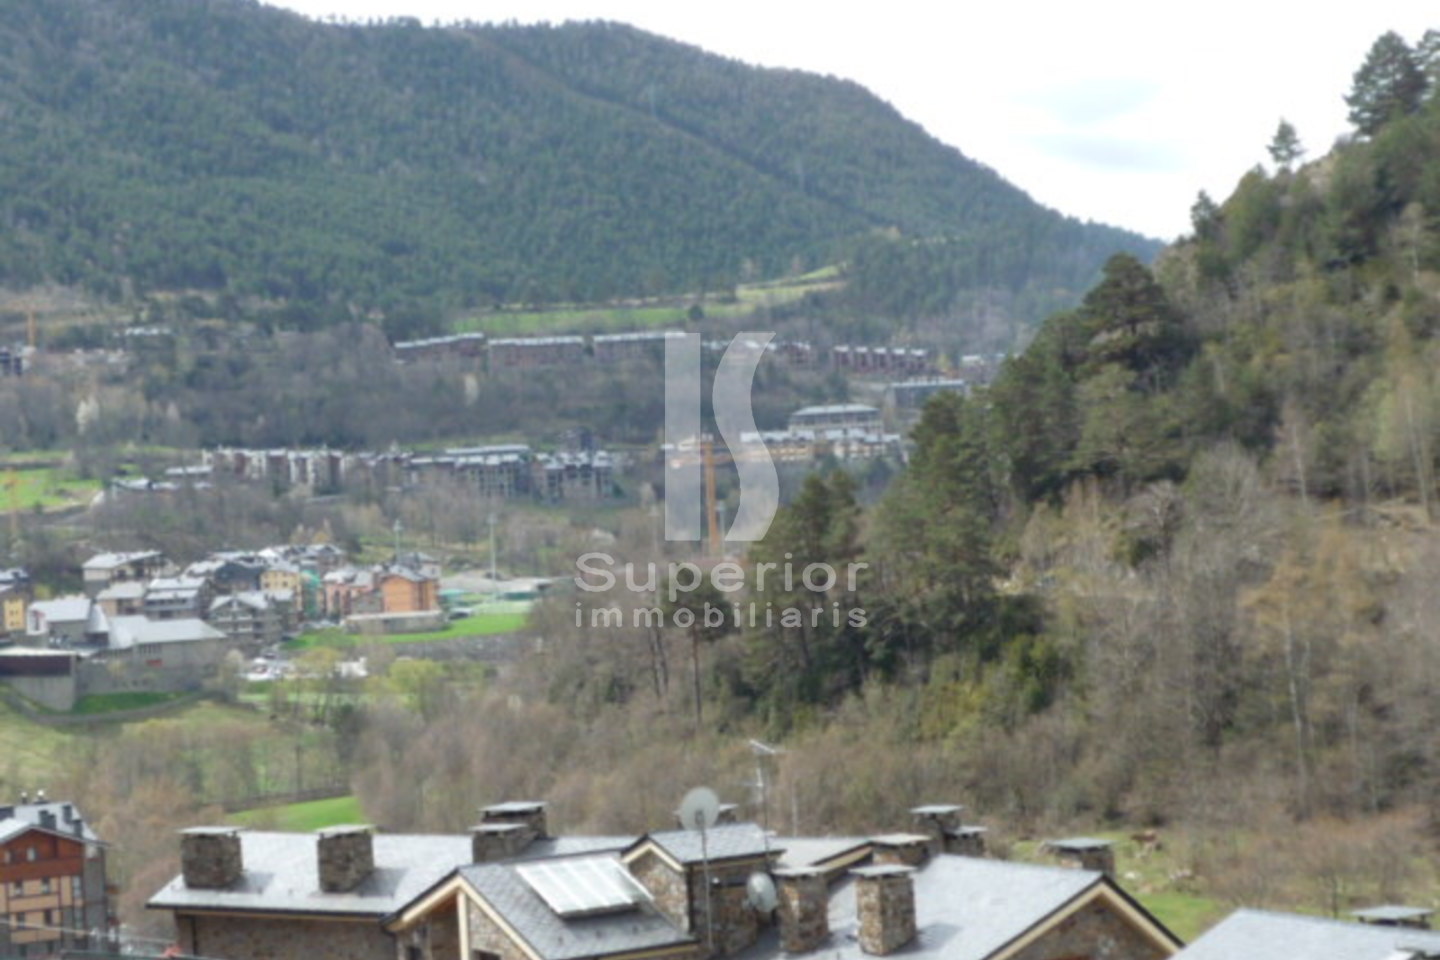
{"x": 438, "y": 938}
{"x": 487, "y": 936}
{"x": 736, "y": 925}
{"x": 53, "y": 693}
{"x": 1096, "y": 932}
{"x": 667, "y": 887}
{"x": 245, "y": 938}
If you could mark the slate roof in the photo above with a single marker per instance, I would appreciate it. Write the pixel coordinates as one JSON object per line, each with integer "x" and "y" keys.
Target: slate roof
{"x": 110, "y": 561}
{"x": 966, "y": 908}
{"x": 731, "y": 841}
{"x": 281, "y": 876}
{"x": 63, "y": 610}
{"x": 18, "y": 818}
{"x": 558, "y": 938}
{"x": 126, "y": 632}
{"x": 1260, "y": 935}
{"x": 123, "y": 590}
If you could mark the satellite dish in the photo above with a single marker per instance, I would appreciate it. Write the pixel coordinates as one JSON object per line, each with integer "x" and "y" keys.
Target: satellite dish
{"x": 699, "y": 810}
{"x": 760, "y": 892}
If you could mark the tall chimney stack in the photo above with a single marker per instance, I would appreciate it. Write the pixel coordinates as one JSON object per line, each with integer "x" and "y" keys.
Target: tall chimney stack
{"x": 885, "y": 907}
{"x": 1084, "y": 853}
{"x": 937, "y": 821}
{"x": 530, "y": 813}
{"x": 210, "y": 857}
{"x": 498, "y": 841}
{"x": 345, "y": 856}
{"x": 905, "y": 849}
{"x": 804, "y": 909}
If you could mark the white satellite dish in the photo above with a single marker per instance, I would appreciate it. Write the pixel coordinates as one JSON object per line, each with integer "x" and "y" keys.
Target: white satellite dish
{"x": 760, "y": 892}
{"x": 699, "y": 810}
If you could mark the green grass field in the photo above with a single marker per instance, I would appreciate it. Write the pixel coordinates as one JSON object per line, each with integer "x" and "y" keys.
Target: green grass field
{"x": 310, "y": 815}
{"x": 601, "y": 319}
{"x": 1185, "y": 914}
{"x": 97, "y": 703}
{"x": 1148, "y": 878}
{"x": 48, "y": 488}
{"x": 483, "y": 624}
{"x": 32, "y": 752}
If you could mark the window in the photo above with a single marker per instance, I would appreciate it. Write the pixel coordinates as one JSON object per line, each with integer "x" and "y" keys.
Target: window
{"x": 30, "y": 854}
{"x": 76, "y": 891}
{"x": 16, "y": 888}
{"x": 45, "y": 885}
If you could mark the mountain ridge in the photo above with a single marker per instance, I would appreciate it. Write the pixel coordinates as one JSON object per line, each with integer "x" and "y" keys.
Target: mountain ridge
{"x": 226, "y": 146}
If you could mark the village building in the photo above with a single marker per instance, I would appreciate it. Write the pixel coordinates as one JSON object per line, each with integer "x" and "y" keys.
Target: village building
{"x": 177, "y": 598}
{"x": 53, "y": 893}
{"x": 529, "y": 353}
{"x": 511, "y": 891}
{"x": 254, "y": 619}
{"x": 468, "y": 346}
{"x": 15, "y": 597}
{"x": 63, "y": 619}
{"x": 123, "y": 599}
{"x": 911, "y": 395}
{"x": 103, "y": 569}
{"x": 845, "y": 416}
{"x": 864, "y": 360}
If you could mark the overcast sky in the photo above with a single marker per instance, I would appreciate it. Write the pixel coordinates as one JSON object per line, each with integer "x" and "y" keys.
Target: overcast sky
{"x": 1108, "y": 110}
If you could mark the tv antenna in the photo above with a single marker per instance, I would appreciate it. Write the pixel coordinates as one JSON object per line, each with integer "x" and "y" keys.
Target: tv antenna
{"x": 761, "y": 751}
{"x": 699, "y": 811}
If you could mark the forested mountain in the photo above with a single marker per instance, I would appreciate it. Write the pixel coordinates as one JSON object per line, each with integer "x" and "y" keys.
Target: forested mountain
{"x": 224, "y": 146}
{"x": 1177, "y": 563}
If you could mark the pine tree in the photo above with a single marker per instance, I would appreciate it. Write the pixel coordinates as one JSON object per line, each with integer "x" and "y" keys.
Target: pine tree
{"x": 1285, "y": 148}
{"x": 1389, "y": 84}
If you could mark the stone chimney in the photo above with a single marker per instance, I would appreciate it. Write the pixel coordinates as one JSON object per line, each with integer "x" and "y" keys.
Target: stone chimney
{"x": 804, "y": 909}
{"x": 210, "y": 857}
{"x": 1395, "y": 915}
{"x": 968, "y": 841}
{"x": 1084, "y": 853}
{"x": 530, "y": 813}
{"x": 904, "y": 849}
{"x": 344, "y": 857}
{"x": 936, "y": 821}
{"x": 885, "y": 907}
{"x": 498, "y": 841}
